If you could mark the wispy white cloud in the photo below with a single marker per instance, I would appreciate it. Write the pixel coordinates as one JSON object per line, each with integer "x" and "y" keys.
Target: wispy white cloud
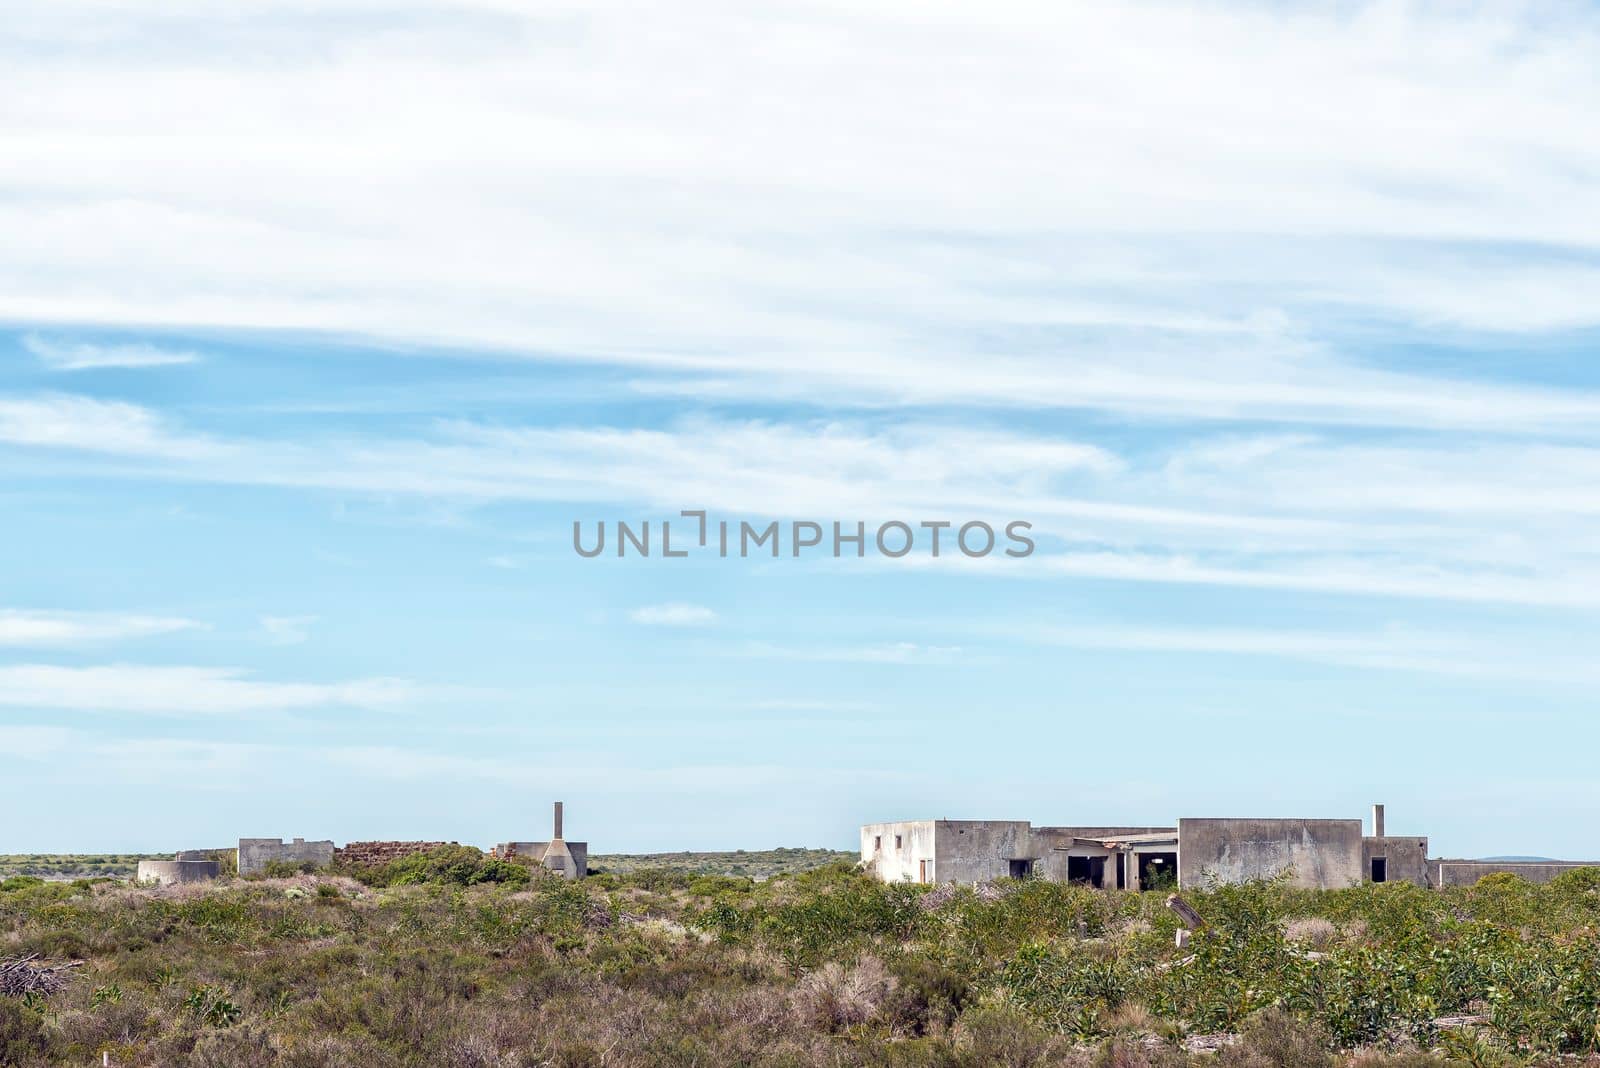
{"x": 84, "y": 424}
{"x": 1553, "y": 659}
{"x": 872, "y": 653}
{"x": 1487, "y": 522}
{"x": 287, "y": 630}
{"x": 63, "y": 355}
{"x": 1210, "y": 198}
{"x": 36, "y": 628}
{"x": 184, "y": 691}
{"x": 673, "y": 614}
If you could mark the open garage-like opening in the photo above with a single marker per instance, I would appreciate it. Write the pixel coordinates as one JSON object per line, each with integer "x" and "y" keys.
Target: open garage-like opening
{"x": 1158, "y": 871}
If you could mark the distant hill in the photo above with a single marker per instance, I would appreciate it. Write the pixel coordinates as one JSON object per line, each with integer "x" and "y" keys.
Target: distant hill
{"x": 1520, "y": 860}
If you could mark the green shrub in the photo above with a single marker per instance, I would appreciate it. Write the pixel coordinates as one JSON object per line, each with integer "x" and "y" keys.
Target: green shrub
{"x": 451, "y": 864}
{"x": 20, "y": 882}
{"x": 23, "y": 1038}
{"x": 212, "y": 1007}
{"x": 285, "y": 869}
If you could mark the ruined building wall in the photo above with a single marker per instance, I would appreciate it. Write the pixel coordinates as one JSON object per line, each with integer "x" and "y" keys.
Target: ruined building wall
{"x": 1407, "y": 858}
{"x": 905, "y": 864}
{"x": 1321, "y": 854}
{"x": 970, "y": 851}
{"x": 256, "y": 853}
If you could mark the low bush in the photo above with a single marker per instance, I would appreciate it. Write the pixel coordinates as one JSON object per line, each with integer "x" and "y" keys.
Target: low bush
{"x": 452, "y": 864}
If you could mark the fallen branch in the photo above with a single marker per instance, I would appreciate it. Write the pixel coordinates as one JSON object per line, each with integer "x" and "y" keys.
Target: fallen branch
{"x": 21, "y": 976}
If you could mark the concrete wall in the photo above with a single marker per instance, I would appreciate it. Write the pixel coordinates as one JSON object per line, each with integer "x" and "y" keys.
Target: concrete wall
{"x": 1407, "y": 857}
{"x": 173, "y": 872}
{"x": 255, "y": 853}
{"x": 970, "y": 851}
{"x": 1320, "y": 853}
{"x": 1467, "y": 872}
{"x": 534, "y": 851}
{"x": 903, "y": 864}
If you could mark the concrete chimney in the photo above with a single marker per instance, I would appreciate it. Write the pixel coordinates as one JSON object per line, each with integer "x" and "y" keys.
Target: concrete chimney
{"x": 1377, "y": 821}
{"x": 558, "y": 819}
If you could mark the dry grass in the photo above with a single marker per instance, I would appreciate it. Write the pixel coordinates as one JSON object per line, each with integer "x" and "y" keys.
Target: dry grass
{"x": 1313, "y": 931}
{"x": 834, "y": 997}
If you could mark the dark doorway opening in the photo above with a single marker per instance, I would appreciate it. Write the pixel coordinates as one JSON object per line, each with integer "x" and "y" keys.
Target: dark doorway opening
{"x": 1122, "y": 871}
{"x": 1021, "y": 869}
{"x": 1158, "y": 871}
{"x": 1380, "y": 869}
{"x": 1091, "y": 870}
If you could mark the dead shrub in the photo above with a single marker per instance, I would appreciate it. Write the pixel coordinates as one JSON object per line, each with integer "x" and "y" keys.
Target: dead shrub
{"x": 1003, "y": 1036}
{"x": 1126, "y": 1053}
{"x": 1313, "y": 931}
{"x": 239, "y": 1047}
{"x": 1273, "y": 1038}
{"x": 478, "y": 1051}
{"x": 834, "y": 997}
{"x": 1129, "y": 1018}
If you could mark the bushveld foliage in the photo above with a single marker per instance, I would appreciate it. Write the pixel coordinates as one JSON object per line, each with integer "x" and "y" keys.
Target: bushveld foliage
{"x": 454, "y": 960}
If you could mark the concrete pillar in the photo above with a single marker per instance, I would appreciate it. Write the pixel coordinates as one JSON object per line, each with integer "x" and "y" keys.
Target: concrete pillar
{"x": 558, "y": 821}
{"x": 1377, "y": 821}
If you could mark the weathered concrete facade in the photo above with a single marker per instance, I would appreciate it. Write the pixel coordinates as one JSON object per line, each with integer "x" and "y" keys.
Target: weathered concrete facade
{"x": 537, "y": 852}
{"x": 1319, "y": 854}
{"x": 928, "y": 851}
{"x": 1394, "y": 859}
{"x": 570, "y": 860}
{"x": 256, "y": 853}
{"x": 964, "y": 851}
{"x": 176, "y": 872}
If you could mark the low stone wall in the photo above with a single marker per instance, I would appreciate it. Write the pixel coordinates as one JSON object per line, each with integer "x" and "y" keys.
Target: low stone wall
{"x": 1467, "y": 872}
{"x": 377, "y": 854}
{"x": 174, "y": 872}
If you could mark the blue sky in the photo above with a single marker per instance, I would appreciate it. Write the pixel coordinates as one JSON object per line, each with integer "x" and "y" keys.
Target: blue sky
{"x": 318, "y": 330}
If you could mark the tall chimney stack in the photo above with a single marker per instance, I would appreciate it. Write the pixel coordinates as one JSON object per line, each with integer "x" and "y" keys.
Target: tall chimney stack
{"x": 1377, "y": 821}
{"x": 558, "y": 818}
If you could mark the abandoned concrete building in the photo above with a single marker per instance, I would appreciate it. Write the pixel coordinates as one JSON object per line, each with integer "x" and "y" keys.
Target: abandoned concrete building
{"x": 1314, "y": 853}
{"x": 256, "y": 854}
{"x": 260, "y": 856}
{"x": 570, "y": 860}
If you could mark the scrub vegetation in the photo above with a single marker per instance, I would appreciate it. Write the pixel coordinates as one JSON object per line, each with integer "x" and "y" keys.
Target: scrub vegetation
{"x": 461, "y": 961}
{"x": 75, "y": 865}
